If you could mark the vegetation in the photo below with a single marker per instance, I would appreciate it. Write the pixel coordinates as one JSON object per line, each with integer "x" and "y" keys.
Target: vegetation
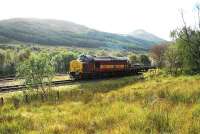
{"x": 125, "y": 105}
{"x": 38, "y": 69}
{"x": 161, "y": 101}
{"x": 63, "y": 33}
{"x": 133, "y": 58}
{"x": 182, "y": 55}
{"x": 158, "y": 53}
{"x": 139, "y": 59}
{"x": 145, "y": 60}
{"x": 9, "y": 59}
{"x": 13, "y": 56}
{"x": 142, "y": 34}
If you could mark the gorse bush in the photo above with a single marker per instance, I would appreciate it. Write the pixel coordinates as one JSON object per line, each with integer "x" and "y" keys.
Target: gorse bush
{"x": 154, "y": 73}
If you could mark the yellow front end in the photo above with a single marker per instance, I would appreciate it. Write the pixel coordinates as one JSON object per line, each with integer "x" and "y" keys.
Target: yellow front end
{"x": 76, "y": 66}
{"x": 76, "y": 69}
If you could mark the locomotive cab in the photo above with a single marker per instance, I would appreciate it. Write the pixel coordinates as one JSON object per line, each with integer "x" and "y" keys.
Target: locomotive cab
{"x": 78, "y": 68}
{"x": 75, "y": 69}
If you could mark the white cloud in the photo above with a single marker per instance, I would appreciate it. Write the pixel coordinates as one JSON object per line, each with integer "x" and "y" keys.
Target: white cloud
{"x": 117, "y": 16}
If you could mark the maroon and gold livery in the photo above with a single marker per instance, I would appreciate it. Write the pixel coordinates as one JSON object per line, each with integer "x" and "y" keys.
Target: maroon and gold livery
{"x": 87, "y": 66}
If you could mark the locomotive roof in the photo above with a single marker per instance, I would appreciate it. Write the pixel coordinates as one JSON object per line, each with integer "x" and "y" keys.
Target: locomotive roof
{"x": 109, "y": 58}
{"x": 101, "y": 58}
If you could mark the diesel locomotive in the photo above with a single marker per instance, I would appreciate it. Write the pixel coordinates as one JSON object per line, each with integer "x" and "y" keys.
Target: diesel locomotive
{"x": 87, "y": 67}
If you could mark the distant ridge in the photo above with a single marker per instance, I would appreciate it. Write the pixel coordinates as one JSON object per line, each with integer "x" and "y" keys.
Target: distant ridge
{"x": 65, "y": 33}
{"x": 142, "y": 34}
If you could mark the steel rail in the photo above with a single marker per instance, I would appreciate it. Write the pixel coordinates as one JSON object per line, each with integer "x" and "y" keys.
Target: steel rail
{"x": 20, "y": 87}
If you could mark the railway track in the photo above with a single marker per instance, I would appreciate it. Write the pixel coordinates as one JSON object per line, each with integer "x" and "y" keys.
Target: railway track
{"x": 21, "y": 87}
{"x": 13, "y": 77}
{"x": 7, "y": 78}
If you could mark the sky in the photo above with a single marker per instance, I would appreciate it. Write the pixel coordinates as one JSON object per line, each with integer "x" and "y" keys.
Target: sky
{"x": 116, "y": 16}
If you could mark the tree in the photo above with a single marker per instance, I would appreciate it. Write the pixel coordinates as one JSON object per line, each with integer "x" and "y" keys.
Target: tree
{"x": 145, "y": 60}
{"x": 24, "y": 54}
{"x": 38, "y": 69}
{"x": 8, "y": 61}
{"x": 102, "y": 53}
{"x": 157, "y": 53}
{"x": 187, "y": 40}
{"x": 2, "y": 60}
{"x": 173, "y": 59}
{"x": 2, "y": 57}
{"x": 119, "y": 54}
{"x": 61, "y": 61}
{"x": 133, "y": 58}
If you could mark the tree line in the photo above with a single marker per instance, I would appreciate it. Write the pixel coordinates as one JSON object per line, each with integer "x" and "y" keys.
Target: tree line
{"x": 182, "y": 54}
{"x": 11, "y": 58}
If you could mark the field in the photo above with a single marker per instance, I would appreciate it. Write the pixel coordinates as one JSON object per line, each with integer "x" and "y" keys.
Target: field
{"x": 128, "y": 105}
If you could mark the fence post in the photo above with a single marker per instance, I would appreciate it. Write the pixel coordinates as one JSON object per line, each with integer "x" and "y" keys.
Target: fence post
{"x": 26, "y": 99}
{"x": 16, "y": 103}
{"x": 42, "y": 97}
{"x": 58, "y": 95}
{"x": 1, "y": 101}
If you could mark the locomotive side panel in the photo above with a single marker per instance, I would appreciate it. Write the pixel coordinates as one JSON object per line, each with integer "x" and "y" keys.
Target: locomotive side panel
{"x": 111, "y": 66}
{"x": 88, "y": 67}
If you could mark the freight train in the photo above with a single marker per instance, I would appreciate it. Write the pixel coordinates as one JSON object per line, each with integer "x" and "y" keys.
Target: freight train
{"x": 87, "y": 67}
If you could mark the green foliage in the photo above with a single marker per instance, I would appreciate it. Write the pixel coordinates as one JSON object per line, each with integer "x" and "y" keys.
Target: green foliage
{"x": 184, "y": 53}
{"x": 8, "y": 62}
{"x": 61, "y": 60}
{"x": 154, "y": 74}
{"x": 173, "y": 59}
{"x": 145, "y": 60}
{"x": 38, "y": 69}
{"x": 133, "y": 58}
{"x": 24, "y": 54}
{"x": 11, "y": 56}
{"x": 63, "y": 33}
{"x": 187, "y": 50}
{"x": 2, "y": 57}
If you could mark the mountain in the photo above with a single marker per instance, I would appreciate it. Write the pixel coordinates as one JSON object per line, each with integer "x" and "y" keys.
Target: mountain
{"x": 65, "y": 33}
{"x": 144, "y": 35}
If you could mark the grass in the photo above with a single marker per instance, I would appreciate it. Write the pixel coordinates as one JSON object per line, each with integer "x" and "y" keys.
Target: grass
{"x": 128, "y": 105}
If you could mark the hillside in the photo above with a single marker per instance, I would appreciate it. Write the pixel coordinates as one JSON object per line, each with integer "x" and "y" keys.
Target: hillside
{"x": 64, "y": 33}
{"x": 144, "y": 35}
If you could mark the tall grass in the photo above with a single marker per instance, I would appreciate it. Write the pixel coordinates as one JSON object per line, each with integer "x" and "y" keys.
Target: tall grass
{"x": 116, "y": 106}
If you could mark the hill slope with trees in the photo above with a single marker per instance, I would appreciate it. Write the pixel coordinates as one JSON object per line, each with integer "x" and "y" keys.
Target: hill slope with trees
{"x": 64, "y": 33}
{"x": 144, "y": 35}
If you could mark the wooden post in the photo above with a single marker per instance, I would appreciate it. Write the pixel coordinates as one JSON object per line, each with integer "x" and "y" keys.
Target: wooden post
{"x": 16, "y": 103}
{"x": 58, "y": 95}
{"x": 26, "y": 99}
{"x": 42, "y": 97}
{"x": 1, "y": 101}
